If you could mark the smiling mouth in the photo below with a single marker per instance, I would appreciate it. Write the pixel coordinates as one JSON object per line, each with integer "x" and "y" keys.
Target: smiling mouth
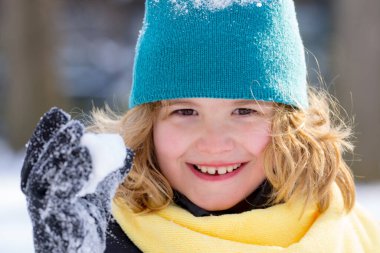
{"x": 221, "y": 170}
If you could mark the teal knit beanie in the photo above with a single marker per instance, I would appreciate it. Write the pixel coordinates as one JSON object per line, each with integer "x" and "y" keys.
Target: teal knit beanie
{"x": 232, "y": 49}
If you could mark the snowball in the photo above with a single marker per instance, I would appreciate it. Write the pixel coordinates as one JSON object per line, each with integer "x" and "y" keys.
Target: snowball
{"x": 108, "y": 154}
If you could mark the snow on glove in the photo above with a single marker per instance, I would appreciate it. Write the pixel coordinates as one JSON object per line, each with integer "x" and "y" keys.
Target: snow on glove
{"x": 68, "y": 200}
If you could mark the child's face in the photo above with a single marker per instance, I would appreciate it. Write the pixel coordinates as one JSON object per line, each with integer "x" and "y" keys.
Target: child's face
{"x": 211, "y": 150}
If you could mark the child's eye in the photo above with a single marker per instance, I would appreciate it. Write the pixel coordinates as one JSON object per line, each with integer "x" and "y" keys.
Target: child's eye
{"x": 185, "y": 112}
{"x": 244, "y": 111}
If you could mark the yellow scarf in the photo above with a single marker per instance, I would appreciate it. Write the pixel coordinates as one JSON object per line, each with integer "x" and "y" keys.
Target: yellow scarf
{"x": 280, "y": 228}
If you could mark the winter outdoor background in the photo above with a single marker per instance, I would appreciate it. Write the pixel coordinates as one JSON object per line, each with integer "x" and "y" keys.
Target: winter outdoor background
{"x": 78, "y": 53}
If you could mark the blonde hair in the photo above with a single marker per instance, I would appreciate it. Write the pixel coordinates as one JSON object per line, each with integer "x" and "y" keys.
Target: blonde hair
{"x": 304, "y": 158}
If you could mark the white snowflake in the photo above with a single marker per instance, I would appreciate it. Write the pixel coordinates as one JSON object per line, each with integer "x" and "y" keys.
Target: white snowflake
{"x": 181, "y": 6}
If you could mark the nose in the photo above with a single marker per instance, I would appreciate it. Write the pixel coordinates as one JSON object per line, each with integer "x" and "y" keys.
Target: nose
{"x": 215, "y": 139}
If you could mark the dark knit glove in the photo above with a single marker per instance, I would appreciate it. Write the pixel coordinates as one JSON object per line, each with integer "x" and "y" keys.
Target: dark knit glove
{"x": 55, "y": 169}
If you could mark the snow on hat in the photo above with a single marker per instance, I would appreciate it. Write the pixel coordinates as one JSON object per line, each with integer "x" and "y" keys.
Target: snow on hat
{"x": 232, "y": 49}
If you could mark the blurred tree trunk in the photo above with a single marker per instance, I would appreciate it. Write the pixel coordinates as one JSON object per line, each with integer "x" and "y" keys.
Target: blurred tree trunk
{"x": 357, "y": 48}
{"x": 31, "y": 46}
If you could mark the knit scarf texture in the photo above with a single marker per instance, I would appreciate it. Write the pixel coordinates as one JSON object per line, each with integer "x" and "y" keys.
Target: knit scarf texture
{"x": 288, "y": 227}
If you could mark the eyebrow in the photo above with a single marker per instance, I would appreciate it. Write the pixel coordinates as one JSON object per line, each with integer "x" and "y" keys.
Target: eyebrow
{"x": 248, "y": 102}
{"x": 180, "y": 102}
{"x": 244, "y": 102}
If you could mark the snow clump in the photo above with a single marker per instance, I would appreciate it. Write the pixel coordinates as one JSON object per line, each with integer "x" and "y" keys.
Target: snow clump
{"x": 108, "y": 154}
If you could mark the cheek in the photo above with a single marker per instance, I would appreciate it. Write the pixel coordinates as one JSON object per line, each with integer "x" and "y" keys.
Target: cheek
{"x": 170, "y": 146}
{"x": 256, "y": 140}
{"x": 260, "y": 143}
{"x": 169, "y": 141}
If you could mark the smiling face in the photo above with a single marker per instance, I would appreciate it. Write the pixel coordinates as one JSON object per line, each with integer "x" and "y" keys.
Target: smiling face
{"x": 212, "y": 150}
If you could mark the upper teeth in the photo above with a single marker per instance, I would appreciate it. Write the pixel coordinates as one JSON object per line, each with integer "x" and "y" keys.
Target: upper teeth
{"x": 218, "y": 170}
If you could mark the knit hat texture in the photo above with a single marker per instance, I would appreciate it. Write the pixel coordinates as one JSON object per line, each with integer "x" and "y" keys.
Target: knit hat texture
{"x": 232, "y": 49}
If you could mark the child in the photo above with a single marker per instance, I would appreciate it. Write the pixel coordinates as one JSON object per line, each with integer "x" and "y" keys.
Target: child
{"x": 232, "y": 151}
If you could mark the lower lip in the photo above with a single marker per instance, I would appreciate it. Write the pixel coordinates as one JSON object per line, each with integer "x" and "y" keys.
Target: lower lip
{"x": 215, "y": 177}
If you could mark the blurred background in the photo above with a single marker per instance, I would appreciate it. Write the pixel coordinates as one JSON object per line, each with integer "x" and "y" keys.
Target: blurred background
{"x": 75, "y": 54}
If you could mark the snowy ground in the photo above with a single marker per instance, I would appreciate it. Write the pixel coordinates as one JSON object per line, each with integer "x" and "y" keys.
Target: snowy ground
{"x": 15, "y": 227}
